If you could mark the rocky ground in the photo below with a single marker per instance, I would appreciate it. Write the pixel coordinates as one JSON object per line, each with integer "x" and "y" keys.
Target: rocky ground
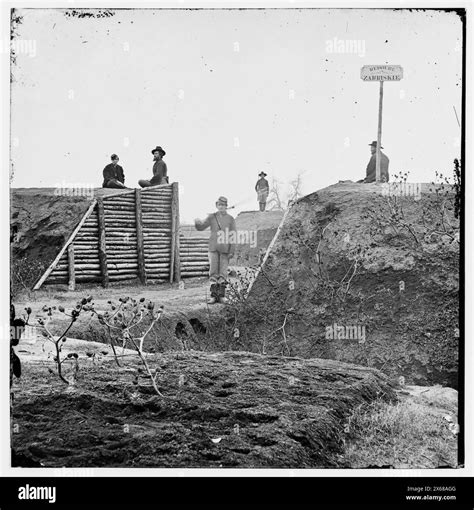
{"x": 217, "y": 410}
{"x": 222, "y": 410}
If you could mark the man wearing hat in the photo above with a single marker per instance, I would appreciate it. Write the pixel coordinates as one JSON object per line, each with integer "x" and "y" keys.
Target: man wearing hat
{"x": 223, "y": 230}
{"x": 113, "y": 174}
{"x": 370, "y": 173}
{"x": 262, "y": 188}
{"x": 160, "y": 170}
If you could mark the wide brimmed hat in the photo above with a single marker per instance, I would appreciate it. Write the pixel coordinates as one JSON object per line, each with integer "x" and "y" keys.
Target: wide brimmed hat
{"x": 263, "y": 174}
{"x": 160, "y": 150}
{"x": 374, "y": 144}
{"x": 222, "y": 200}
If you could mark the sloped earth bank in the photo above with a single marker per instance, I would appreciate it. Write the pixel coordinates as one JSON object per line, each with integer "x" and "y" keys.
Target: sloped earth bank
{"x": 344, "y": 260}
{"x": 187, "y": 322}
{"x": 219, "y": 410}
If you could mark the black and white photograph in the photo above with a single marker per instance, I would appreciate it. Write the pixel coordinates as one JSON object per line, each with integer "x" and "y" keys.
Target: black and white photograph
{"x": 236, "y": 238}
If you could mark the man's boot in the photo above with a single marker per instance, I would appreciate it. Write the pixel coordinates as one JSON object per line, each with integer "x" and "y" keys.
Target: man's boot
{"x": 214, "y": 294}
{"x": 222, "y": 298}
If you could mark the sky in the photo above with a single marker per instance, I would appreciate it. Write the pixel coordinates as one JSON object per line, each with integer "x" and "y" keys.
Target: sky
{"x": 229, "y": 93}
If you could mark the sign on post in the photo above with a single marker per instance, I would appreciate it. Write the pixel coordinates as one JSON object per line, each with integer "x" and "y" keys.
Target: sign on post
{"x": 380, "y": 73}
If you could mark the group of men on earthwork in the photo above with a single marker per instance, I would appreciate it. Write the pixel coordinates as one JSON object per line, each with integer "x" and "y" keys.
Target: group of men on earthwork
{"x": 114, "y": 176}
{"x": 221, "y": 223}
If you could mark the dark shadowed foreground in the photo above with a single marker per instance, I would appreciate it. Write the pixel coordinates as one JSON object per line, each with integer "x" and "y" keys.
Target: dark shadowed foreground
{"x": 220, "y": 410}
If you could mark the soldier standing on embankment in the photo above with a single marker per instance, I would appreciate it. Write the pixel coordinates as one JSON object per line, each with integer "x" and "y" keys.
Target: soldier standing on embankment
{"x": 223, "y": 230}
{"x": 262, "y": 188}
{"x": 160, "y": 170}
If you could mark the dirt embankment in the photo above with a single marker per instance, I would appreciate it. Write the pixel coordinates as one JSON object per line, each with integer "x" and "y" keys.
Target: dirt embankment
{"x": 42, "y": 220}
{"x": 256, "y": 230}
{"x": 218, "y": 410}
{"x": 345, "y": 260}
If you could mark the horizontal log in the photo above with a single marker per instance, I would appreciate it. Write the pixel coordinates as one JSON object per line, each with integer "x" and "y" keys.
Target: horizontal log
{"x": 165, "y": 188}
{"x": 154, "y": 206}
{"x": 163, "y": 203}
{"x": 118, "y": 241}
{"x": 120, "y": 229}
{"x": 114, "y": 213}
{"x": 163, "y": 199}
{"x": 163, "y": 206}
{"x": 80, "y": 267}
{"x": 119, "y": 199}
{"x": 121, "y": 252}
{"x": 88, "y": 230}
{"x": 121, "y": 256}
{"x": 86, "y": 238}
{"x": 155, "y": 214}
{"x": 157, "y": 196}
{"x": 118, "y": 209}
{"x": 120, "y": 247}
{"x": 123, "y": 278}
{"x": 123, "y": 225}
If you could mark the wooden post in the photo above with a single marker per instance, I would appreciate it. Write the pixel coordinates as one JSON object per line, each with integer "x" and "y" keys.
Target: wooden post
{"x": 379, "y": 136}
{"x": 175, "y": 271}
{"x": 102, "y": 243}
{"x": 71, "y": 269}
{"x": 139, "y": 229}
{"x": 254, "y": 277}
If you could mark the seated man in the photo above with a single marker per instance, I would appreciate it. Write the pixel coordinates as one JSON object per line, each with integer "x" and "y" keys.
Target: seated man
{"x": 371, "y": 167}
{"x": 160, "y": 170}
{"x": 113, "y": 174}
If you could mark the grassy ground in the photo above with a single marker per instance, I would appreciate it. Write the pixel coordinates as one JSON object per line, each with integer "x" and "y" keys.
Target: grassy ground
{"x": 417, "y": 432}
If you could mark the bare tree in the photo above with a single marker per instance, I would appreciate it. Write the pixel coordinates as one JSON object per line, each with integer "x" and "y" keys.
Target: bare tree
{"x": 295, "y": 187}
{"x": 275, "y": 200}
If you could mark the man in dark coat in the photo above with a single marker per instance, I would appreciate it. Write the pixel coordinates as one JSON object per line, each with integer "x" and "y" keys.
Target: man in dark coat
{"x": 113, "y": 174}
{"x": 160, "y": 170}
{"x": 371, "y": 167}
{"x": 262, "y": 188}
{"x": 221, "y": 247}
